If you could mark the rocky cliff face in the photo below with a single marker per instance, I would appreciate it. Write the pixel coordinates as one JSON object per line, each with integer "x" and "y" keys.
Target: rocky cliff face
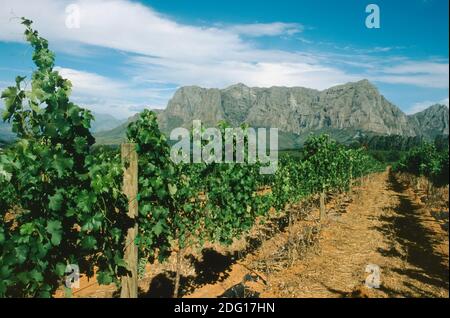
{"x": 345, "y": 112}
{"x": 353, "y": 106}
{"x": 431, "y": 122}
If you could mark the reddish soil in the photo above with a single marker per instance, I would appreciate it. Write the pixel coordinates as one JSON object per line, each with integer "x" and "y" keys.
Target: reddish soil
{"x": 383, "y": 222}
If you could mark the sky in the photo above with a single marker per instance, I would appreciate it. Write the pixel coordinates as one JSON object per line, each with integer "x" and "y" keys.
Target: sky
{"x": 123, "y": 56}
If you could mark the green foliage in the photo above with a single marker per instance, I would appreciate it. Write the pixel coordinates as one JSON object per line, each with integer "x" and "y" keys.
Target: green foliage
{"x": 185, "y": 204}
{"x": 156, "y": 173}
{"x": 387, "y": 156}
{"x": 426, "y": 160}
{"x": 389, "y": 142}
{"x": 322, "y": 165}
{"x": 59, "y": 204}
{"x": 233, "y": 204}
{"x": 61, "y": 201}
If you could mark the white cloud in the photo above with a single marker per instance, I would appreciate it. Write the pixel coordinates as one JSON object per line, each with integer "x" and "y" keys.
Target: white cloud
{"x": 104, "y": 95}
{"x": 225, "y": 73}
{"x": 426, "y": 80}
{"x": 168, "y": 51}
{"x": 266, "y": 29}
{"x": 90, "y": 83}
{"x": 418, "y": 68}
{"x": 144, "y": 31}
{"x": 160, "y": 50}
{"x": 418, "y": 107}
{"x": 425, "y": 74}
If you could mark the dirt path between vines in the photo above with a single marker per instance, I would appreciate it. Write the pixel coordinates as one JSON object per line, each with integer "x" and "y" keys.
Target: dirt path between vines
{"x": 385, "y": 225}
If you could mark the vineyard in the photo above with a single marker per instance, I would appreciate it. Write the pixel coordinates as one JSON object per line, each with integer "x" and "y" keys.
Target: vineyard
{"x": 62, "y": 201}
{"x": 426, "y": 161}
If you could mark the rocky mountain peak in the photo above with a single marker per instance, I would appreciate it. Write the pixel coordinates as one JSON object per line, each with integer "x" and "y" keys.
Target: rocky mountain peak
{"x": 344, "y": 111}
{"x": 298, "y": 110}
{"x": 432, "y": 121}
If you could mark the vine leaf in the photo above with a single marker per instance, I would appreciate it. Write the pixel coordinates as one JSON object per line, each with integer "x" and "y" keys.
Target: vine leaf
{"x": 104, "y": 278}
{"x": 55, "y": 201}
{"x": 88, "y": 242}
{"x": 172, "y": 189}
{"x": 54, "y": 228}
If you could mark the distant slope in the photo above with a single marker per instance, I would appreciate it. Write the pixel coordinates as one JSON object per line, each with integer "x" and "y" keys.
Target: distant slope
{"x": 117, "y": 135}
{"x": 431, "y": 122}
{"x": 104, "y": 122}
{"x": 114, "y": 136}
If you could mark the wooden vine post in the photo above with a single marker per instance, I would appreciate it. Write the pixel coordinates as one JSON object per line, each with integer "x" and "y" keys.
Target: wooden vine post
{"x": 350, "y": 180}
{"x": 130, "y": 189}
{"x": 323, "y": 212}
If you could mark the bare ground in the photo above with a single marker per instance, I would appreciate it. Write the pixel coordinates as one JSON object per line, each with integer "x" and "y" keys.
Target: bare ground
{"x": 384, "y": 223}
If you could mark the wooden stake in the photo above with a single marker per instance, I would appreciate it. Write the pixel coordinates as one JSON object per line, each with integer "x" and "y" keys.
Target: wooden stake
{"x": 323, "y": 212}
{"x": 178, "y": 273}
{"x": 350, "y": 181}
{"x": 130, "y": 189}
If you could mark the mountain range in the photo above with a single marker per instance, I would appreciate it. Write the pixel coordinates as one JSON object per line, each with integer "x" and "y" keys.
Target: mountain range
{"x": 346, "y": 112}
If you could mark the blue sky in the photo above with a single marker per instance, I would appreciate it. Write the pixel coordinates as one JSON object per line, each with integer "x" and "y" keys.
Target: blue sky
{"x": 127, "y": 55}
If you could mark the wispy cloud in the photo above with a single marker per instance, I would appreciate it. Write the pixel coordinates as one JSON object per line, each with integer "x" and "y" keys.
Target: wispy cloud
{"x": 419, "y": 73}
{"x": 428, "y": 74}
{"x": 266, "y": 29}
{"x": 104, "y": 95}
{"x": 91, "y": 83}
{"x": 161, "y": 51}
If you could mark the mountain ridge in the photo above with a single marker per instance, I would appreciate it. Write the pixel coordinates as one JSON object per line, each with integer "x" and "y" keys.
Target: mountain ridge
{"x": 347, "y": 112}
{"x": 354, "y": 106}
{"x": 432, "y": 121}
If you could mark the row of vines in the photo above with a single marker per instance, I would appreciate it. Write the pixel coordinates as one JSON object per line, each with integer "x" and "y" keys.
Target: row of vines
{"x": 426, "y": 160}
{"x": 61, "y": 201}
